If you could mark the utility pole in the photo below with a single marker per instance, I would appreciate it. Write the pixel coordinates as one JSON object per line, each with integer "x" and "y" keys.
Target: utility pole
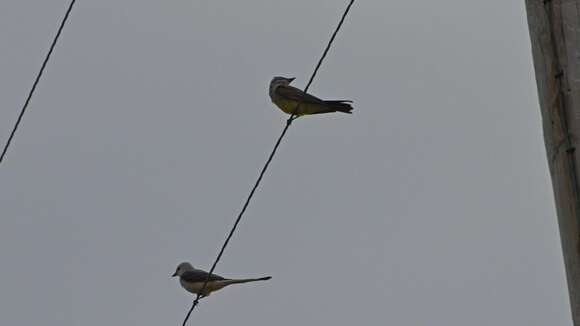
{"x": 555, "y": 36}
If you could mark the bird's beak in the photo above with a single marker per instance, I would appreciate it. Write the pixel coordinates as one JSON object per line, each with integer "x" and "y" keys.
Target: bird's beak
{"x": 291, "y": 79}
{"x": 174, "y": 274}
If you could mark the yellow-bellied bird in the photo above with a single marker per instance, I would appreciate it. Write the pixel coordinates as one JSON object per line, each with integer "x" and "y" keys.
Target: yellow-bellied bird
{"x": 192, "y": 280}
{"x": 287, "y": 97}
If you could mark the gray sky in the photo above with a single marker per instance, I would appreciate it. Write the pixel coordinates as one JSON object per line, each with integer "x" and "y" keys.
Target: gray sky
{"x": 431, "y": 205}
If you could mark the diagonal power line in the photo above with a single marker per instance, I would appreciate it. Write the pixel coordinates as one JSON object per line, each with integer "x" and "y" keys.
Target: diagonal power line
{"x": 268, "y": 161}
{"x": 31, "y": 92}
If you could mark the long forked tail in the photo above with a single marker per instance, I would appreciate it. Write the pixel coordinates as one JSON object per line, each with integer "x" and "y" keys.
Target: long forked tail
{"x": 246, "y": 280}
{"x": 340, "y": 106}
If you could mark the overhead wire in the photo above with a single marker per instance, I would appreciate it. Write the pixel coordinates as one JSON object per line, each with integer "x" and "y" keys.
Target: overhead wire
{"x": 268, "y": 161}
{"x": 36, "y": 80}
{"x": 563, "y": 113}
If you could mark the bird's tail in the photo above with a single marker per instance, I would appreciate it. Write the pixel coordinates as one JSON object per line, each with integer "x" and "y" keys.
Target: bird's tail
{"x": 340, "y": 106}
{"x": 246, "y": 280}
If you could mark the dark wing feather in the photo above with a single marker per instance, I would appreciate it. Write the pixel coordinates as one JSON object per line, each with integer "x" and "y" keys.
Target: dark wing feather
{"x": 197, "y": 275}
{"x": 293, "y": 93}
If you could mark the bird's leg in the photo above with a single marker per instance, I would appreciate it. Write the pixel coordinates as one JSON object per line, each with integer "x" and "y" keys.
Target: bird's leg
{"x": 204, "y": 295}
{"x": 291, "y": 119}
{"x": 201, "y": 296}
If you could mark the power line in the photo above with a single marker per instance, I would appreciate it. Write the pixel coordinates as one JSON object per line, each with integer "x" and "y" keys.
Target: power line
{"x": 563, "y": 113}
{"x": 63, "y": 22}
{"x": 268, "y": 161}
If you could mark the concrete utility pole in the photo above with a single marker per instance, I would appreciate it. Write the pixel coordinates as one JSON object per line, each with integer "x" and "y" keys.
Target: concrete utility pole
{"x": 555, "y": 35}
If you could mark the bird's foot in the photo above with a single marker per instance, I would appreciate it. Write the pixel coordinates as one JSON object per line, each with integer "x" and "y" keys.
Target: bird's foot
{"x": 291, "y": 119}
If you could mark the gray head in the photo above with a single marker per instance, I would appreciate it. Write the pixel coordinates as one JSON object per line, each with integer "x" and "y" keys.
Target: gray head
{"x": 182, "y": 268}
{"x": 279, "y": 81}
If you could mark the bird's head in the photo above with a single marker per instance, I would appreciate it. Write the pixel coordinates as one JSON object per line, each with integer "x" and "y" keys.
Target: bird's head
{"x": 278, "y": 80}
{"x": 182, "y": 268}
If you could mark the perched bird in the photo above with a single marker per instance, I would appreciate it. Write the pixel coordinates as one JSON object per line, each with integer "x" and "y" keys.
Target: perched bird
{"x": 287, "y": 97}
{"x": 192, "y": 280}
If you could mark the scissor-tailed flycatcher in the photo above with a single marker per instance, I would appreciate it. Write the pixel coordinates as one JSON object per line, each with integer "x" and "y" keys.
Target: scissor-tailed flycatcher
{"x": 192, "y": 279}
{"x": 287, "y": 97}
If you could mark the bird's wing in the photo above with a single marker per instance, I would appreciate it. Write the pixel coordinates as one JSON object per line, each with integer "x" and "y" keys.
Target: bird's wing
{"x": 198, "y": 275}
{"x": 293, "y": 93}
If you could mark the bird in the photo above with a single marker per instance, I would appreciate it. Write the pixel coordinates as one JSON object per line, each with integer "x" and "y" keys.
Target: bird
{"x": 294, "y": 101}
{"x": 192, "y": 279}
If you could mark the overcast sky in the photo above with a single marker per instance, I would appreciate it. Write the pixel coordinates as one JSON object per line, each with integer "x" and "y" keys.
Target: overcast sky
{"x": 430, "y": 205}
